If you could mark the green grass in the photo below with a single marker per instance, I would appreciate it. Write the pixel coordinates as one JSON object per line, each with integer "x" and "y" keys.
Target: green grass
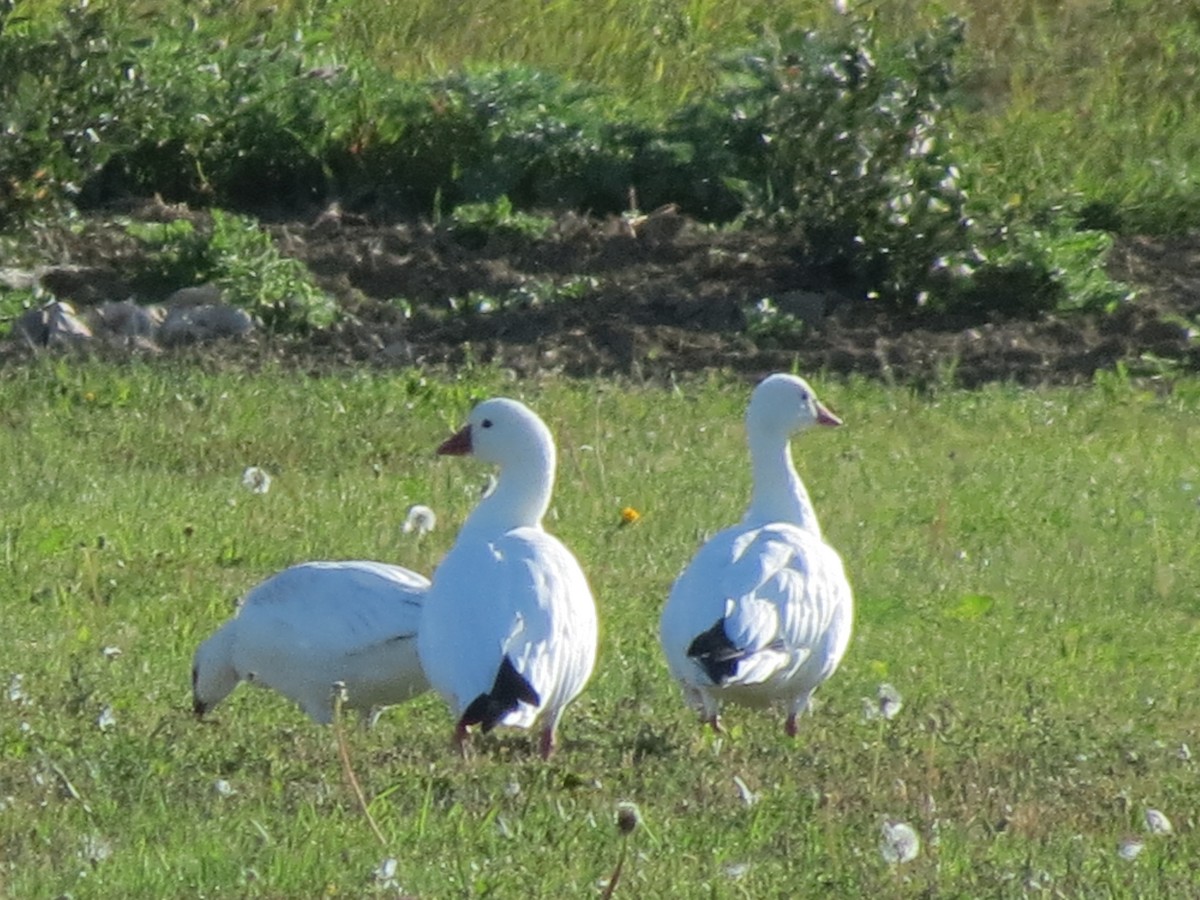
{"x": 1026, "y": 573}
{"x": 1080, "y": 101}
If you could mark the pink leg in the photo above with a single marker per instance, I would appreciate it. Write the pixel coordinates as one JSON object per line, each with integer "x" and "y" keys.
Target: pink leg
{"x": 791, "y": 727}
{"x": 460, "y": 739}
{"x": 547, "y": 743}
{"x": 714, "y": 722}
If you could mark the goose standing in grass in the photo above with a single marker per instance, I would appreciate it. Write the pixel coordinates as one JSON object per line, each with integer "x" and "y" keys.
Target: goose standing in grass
{"x": 312, "y": 625}
{"x": 508, "y": 633}
{"x": 762, "y": 614}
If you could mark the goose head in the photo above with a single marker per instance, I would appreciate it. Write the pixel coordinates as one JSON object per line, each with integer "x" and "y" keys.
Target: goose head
{"x": 782, "y": 405}
{"x": 509, "y": 435}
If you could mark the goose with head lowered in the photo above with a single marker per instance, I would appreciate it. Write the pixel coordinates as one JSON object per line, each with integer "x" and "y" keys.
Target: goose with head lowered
{"x": 508, "y": 633}
{"x": 762, "y": 614}
{"x": 315, "y": 624}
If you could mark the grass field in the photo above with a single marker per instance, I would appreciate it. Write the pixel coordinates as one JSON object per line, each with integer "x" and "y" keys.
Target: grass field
{"x": 1026, "y": 572}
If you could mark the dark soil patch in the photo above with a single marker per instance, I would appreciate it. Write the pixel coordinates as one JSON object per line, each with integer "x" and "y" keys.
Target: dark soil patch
{"x": 668, "y": 296}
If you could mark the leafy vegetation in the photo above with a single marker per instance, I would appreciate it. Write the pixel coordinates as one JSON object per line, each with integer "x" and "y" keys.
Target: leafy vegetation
{"x": 12, "y": 304}
{"x": 842, "y": 132}
{"x": 473, "y": 224}
{"x": 1026, "y": 578}
{"x": 239, "y": 257}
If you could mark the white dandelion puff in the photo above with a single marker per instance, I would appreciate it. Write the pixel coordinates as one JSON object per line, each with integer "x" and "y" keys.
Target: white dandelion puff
{"x": 224, "y": 788}
{"x": 886, "y": 705}
{"x": 737, "y": 870}
{"x": 111, "y": 653}
{"x": 629, "y": 817}
{"x": 1184, "y": 752}
{"x": 1130, "y": 848}
{"x": 106, "y": 720}
{"x": 16, "y": 690}
{"x": 256, "y": 480}
{"x": 899, "y": 843}
{"x": 385, "y": 874}
{"x": 1158, "y": 823}
{"x": 890, "y": 701}
{"x": 420, "y": 519}
{"x": 95, "y": 849}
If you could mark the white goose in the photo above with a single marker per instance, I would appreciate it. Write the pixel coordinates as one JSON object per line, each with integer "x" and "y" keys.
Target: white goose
{"x": 508, "y": 633}
{"x": 762, "y": 614}
{"x": 318, "y": 623}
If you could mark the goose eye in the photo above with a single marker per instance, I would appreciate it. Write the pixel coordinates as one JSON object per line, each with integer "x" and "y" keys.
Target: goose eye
{"x": 486, "y": 423}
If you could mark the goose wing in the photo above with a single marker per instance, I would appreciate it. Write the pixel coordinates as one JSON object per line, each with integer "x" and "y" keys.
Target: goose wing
{"x": 334, "y": 608}
{"x": 501, "y": 633}
{"x": 760, "y": 603}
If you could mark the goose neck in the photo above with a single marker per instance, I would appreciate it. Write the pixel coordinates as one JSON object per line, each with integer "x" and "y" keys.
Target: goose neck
{"x": 779, "y": 494}
{"x": 520, "y": 498}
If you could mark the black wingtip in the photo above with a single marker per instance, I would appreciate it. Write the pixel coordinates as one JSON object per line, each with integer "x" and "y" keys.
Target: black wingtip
{"x": 715, "y": 653}
{"x": 509, "y": 689}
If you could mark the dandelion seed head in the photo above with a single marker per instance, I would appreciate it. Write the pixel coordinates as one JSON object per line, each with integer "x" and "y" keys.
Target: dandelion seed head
{"x": 886, "y": 705}
{"x": 899, "y": 843}
{"x": 385, "y": 874}
{"x": 420, "y": 519}
{"x": 737, "y": 870}
{"x": 1130, "y": 848}
{"x": 106, "y": 720}
{"x": 890, "y": 701}
{"x": 1184, "y": 752}
{"x": 628, "y": 817}
{"x": 1158, "y": 823}
{"x": 95, "y": 849}
{"x": 338, "y": 692}
{"x": 224, "y": 788}
{"x": 111, "y": 653}
{"x": 256, "y": 480}
{"x": 16, "y": 690}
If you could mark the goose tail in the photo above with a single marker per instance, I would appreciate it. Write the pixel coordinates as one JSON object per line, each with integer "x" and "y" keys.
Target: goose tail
{"x": 509, "y": 689}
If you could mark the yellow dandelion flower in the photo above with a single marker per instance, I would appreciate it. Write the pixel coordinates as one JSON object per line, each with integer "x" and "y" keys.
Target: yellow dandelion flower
{"x": 629, "y": 515}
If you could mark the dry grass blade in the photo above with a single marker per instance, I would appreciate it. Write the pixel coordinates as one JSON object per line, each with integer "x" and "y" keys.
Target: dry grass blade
{"x": 339, "y": 695}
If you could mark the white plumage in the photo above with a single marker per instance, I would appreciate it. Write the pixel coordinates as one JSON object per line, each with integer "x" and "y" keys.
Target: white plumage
{"x": 508, "y": 633}
{"x": 762, "y": 614}
{"x": 314, "y": 624}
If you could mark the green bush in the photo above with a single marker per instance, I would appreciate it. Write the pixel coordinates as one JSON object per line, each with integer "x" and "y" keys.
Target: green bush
{"x": 473, "y": 224}
{"x": 837, "y": 135}
{"x": 477, "y": 136}
{"x": 1032, "y": 266}
{"x": 60, "y": 85}
{"x": 843, "y": 139}
{"x": 241, "y": 258}
{"x": 237, "y": 126}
